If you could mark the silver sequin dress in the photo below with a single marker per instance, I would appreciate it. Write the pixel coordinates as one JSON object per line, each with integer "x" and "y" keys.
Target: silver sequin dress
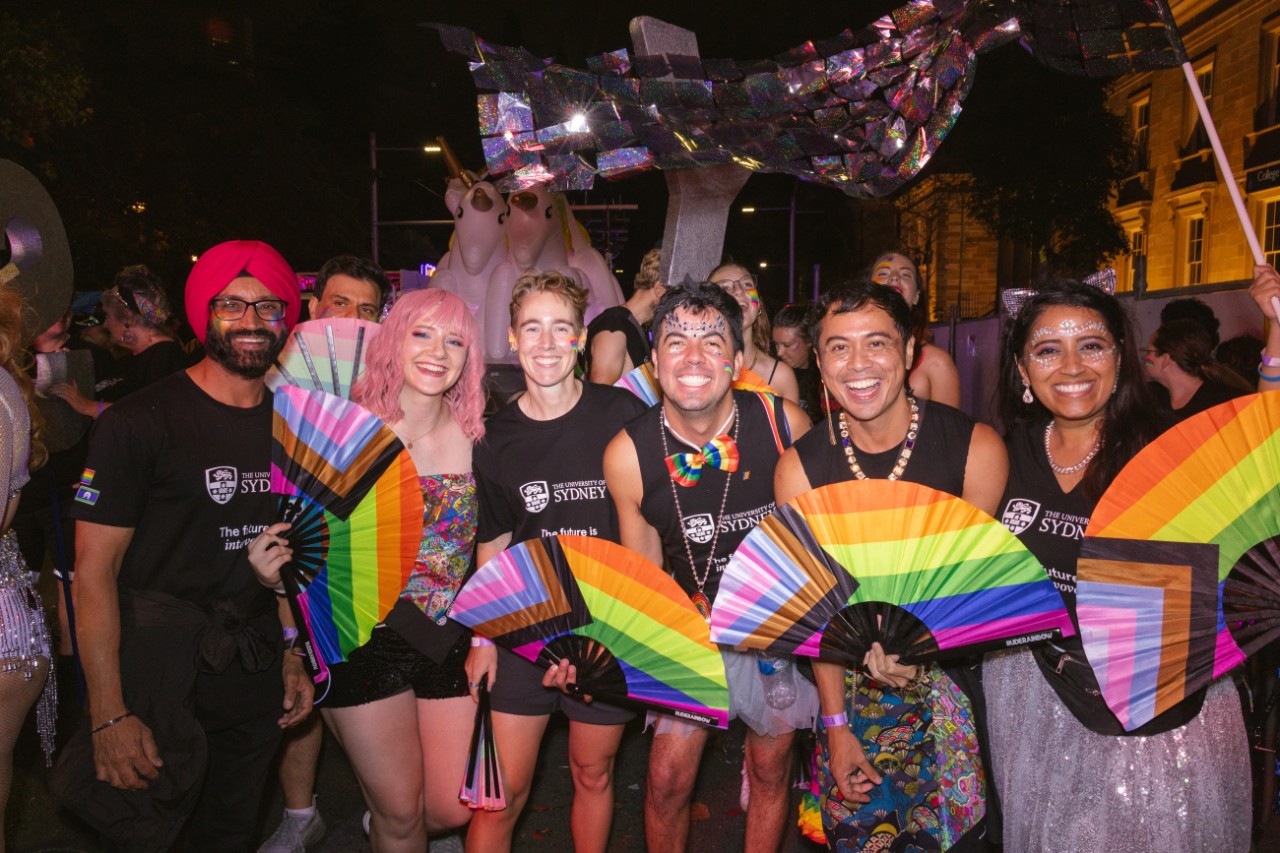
{"x": 24, "y": 637}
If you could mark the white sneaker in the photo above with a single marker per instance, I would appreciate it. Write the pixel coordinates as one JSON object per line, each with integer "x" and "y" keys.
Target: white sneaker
{"x": 451, "y": 843}
{"x": 295, "y": 833}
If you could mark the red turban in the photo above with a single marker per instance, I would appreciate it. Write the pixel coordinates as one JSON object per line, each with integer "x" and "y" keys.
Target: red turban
{"x": 228, "y": 261}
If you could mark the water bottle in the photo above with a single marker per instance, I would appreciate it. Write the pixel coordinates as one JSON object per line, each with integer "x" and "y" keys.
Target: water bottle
{"x": 779, "y": 679}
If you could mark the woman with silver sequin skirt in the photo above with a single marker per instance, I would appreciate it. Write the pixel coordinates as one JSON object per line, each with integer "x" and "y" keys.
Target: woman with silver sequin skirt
{"x": 24, "y": 639}
{"x": 1068, "y": 777}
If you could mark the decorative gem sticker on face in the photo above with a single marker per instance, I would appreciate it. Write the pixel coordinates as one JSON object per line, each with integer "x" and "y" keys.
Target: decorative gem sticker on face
{"x": 696, "y": 325}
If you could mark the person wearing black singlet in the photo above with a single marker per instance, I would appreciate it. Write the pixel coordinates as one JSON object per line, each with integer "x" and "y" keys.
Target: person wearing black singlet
{"x": 864, "y": 347}
{"x": 616, "y": 339}
{"x": 694, "y": 516}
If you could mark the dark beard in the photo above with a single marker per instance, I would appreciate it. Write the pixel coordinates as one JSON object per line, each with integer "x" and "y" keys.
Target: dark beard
{"x": 249, "y": 365}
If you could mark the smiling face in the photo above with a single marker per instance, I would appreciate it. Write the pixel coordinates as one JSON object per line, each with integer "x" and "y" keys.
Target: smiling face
{"x": 546, "y": 335}
{"x": 863, "y": 361}
{"x": 897, "y": 271}
{"x": 741, "y": 285}
{"x": 433, "y": 359}
{"x": 1071, "y": 362}
{"x": 694, "y": 359}
{"x": 248, "y": 346}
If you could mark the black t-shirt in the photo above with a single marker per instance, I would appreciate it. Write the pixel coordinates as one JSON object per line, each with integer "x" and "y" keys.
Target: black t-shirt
{"x": 192, "y": 476}
{"x": 1208, "y": 395}
{"x": 619, "y": 319}
{"x": 543, "y": 478}
{"x": 1051, "y": 524}
{"x": 763, "y": 434}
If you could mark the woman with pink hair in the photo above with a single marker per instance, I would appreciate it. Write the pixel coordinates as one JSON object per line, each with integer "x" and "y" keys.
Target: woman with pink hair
{"x": 400, "y": 707}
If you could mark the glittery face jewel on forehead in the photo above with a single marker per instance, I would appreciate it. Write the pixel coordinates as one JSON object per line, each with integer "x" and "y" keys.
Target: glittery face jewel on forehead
{"x": 698, "y": 325}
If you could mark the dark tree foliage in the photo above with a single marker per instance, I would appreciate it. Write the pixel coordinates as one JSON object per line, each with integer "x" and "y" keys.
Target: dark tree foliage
{"x": 1045, "y": 157}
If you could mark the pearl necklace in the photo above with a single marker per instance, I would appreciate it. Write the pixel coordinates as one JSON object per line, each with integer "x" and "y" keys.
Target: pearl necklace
{"x": 1070, "y": 469}
{"x": 699, "y": 599}
{"x": 908, "y": 444}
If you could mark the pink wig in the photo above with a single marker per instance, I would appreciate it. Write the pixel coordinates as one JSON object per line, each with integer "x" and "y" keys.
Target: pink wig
{"x": 379, "y": 388}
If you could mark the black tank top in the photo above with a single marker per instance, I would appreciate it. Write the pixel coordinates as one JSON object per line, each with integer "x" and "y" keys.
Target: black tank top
{"x": 938, "y": 460}
{"x": 762, "y": 436}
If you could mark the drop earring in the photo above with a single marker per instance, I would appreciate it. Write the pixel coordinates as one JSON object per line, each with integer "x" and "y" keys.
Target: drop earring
{"x": 826, "y": 413}
{"x": 1027, "y": 396}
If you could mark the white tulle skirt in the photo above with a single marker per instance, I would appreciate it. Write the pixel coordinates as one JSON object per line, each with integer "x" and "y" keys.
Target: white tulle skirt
{"x": 1066, "y": 789}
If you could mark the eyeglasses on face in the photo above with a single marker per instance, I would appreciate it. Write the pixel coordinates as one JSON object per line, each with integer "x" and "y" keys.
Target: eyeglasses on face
{"x": 228, "y": 308}
{"x": 736, "y": 285}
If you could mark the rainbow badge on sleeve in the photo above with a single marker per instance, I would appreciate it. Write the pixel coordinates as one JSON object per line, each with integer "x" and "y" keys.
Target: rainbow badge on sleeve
{"x": 84, "y": 493}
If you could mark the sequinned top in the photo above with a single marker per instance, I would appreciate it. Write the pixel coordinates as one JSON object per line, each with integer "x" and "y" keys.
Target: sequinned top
{"x": 448, "y": 542}
{"x": 15, "y": 439}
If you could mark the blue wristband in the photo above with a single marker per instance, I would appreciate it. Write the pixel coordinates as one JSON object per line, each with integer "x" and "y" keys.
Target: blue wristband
{"x": 1266, "y": 378}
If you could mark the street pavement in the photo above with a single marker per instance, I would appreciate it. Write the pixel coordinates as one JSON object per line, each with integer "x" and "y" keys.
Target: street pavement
{"x": 34, "y": 824}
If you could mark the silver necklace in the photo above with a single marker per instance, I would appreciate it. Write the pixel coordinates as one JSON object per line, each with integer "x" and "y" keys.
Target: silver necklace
{"x": 699, "y": 598}
{"x": 908, "y": 444}
{"x": 1070, "y": 469}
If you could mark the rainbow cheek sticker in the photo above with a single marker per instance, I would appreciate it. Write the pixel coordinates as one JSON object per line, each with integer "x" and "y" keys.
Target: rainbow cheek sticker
{"x": 753, "y": 296}
{"x": 728, "y": 367}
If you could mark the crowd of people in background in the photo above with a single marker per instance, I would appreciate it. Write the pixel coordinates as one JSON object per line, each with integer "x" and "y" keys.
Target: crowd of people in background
{"x": 174, "y": 574}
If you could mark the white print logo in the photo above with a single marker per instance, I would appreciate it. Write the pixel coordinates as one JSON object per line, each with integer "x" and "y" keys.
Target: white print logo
{"x": 699, "y": 528}
{"x": 1018, "y": 515}
{"x": 221, "y": 483}
{"x": 536, "y": 495}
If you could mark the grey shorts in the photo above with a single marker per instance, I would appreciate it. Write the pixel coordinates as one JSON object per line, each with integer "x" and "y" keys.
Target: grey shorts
{"x": 519, "y": 691}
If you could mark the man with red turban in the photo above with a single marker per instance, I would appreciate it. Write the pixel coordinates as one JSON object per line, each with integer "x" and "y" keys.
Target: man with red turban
{"x": 180, "y": 643}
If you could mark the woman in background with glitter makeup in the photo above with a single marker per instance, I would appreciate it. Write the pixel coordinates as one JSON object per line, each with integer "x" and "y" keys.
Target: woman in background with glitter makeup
{"x": 760, "y": 371}
{"x": 933, "y": 374}
{"x": 1069, "y": 778}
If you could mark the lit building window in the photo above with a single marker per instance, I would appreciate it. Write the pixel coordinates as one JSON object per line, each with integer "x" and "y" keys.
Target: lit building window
{"x": 1271, "y": 233}
{"x": 1137, "y": 254}
{"x": 1140, "y": 124}
{"x": 1204, "y": 76}
{"x": 1195, "y": 250}
{"x": 1271, "y": 76}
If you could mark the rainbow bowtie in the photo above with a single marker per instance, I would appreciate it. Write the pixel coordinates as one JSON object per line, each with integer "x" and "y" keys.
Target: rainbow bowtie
{"x": 720, "y": 452}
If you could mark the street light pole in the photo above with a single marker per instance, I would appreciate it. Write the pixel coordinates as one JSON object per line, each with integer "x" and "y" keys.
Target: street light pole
{"x": 791, "y": 212}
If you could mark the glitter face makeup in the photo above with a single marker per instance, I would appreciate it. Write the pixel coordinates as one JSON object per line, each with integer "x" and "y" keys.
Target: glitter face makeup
{"x": 1047, "y": 345}
{"x": 694, "y": 359}
{"x": 695, "y": 325}
{"x": 897, "y": 271}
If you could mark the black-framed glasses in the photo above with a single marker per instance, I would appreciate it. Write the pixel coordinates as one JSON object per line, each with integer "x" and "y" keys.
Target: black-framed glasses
{"x": 1148, "y": 351}
{"x": 737, "y": 285}
{"x": 228, "y": 308}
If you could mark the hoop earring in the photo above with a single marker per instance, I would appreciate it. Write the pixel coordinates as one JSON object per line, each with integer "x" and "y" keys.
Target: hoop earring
{"x": 826, "y": 414}
{"x": 1027, "y": 396}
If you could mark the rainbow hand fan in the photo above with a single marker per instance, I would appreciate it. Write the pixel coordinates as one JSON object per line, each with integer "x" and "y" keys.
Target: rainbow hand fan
{"x": 643, "y": 384}
{"x": 630, "y": 630}
{"x": 482, "y": 780}
{"x": 921, "y": 572}
{"x": 351, "y": 492}
{"x": 324, "y": 355}
{"x": 1178, "y": 577}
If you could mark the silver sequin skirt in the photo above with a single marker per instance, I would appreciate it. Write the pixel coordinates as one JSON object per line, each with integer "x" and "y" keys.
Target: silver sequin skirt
{"x": 1066, "y": 789}
{"x": 24, "y": 636}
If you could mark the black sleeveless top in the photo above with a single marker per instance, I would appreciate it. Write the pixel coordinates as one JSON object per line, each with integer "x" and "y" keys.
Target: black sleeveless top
{"x": 1051, "y": 523}
{"x": 938, "y": 460}
{"x": 619, "y": 319}
{"x": 762, "y": 436}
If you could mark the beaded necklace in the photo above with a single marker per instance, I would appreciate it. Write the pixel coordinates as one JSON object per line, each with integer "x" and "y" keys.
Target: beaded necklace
{"x": 1069, "y": 469}
{"x": 908, "y": 444}
{"x": 699, "y": 598}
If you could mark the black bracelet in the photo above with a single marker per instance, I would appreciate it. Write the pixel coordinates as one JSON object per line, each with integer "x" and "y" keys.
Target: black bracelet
{"x": 109, "y": 723}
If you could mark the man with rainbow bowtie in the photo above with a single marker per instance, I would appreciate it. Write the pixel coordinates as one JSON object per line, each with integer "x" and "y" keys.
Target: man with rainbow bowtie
{"x": 690, "y": 479}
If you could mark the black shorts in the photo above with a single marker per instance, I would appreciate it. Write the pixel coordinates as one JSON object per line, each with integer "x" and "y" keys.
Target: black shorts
{"x": 520, "y": 692}
{"x": 387, "y": 665}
